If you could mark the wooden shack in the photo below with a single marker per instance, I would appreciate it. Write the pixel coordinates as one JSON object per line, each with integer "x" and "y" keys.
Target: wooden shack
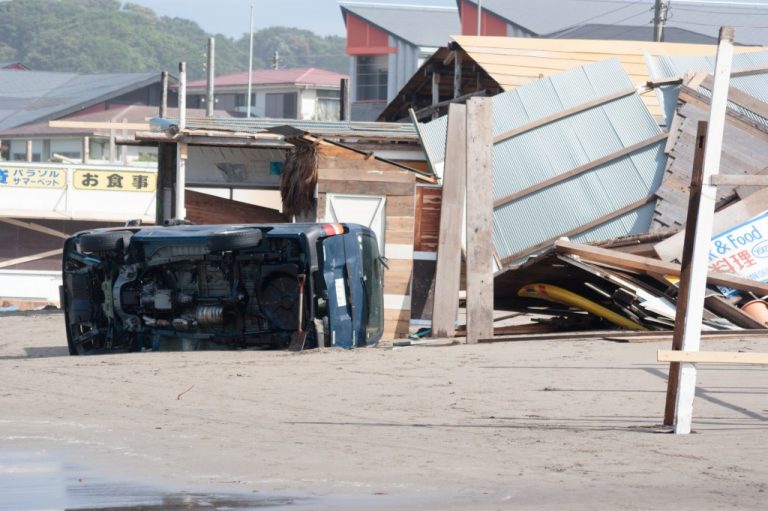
{"x": 355, "y": 186}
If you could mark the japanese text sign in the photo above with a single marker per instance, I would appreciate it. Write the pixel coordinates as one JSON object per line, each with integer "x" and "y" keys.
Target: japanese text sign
{"x": 32, "y": 177}
{"x": 111, "y": 180}
{"x": 742, "y": 251}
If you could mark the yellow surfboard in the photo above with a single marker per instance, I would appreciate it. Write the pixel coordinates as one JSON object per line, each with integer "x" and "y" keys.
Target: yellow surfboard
{"x": 559, "y": 295}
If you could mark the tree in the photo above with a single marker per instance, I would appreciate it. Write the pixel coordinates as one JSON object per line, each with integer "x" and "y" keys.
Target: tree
{"x": 100, "y": 36}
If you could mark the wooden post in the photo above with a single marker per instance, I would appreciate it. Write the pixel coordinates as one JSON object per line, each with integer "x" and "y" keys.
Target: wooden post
{"x": 112, "y": 146}
{"x": 448, "y": 272}
{"x": 164, "y": 94}
{"x": 123, "y": 147}
{"x": 86, "y": 150}
{"x": 694, "y": 204}
{"x": 344, "y": 99}
{"x": 28, "y": 155}
{"x": 435, "y": 92}
{"x": 181, "y": 178}
{"x": 479, "y": 220}
{"x": 701, "y": 225}
{"x": 457, "y": 74}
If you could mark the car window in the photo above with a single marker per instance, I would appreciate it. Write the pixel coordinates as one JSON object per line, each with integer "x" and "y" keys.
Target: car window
{"x": 374, "y": 280}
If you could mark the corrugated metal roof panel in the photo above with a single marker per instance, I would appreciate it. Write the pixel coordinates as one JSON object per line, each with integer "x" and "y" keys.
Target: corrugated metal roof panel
{"x": 565, "y": 144}
{"x": 705, "y": 17}
{"x": 756, "y": 85}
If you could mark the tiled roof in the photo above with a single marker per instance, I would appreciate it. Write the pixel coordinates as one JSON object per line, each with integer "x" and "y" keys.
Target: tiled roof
{"x": 298, "y": 75}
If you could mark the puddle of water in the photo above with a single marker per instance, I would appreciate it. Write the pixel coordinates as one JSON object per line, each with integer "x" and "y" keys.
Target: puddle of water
{"x": 41, "y": 481}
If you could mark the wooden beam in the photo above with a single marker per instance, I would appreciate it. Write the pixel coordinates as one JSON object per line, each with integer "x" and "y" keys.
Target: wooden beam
{"x": 725, "y": 309}
{"x": 448, "y": 272}
{"x": 629, "y": 336}
{"x": 701, "y": 225}
{"x": 107, "y": 125}
{"x": 563, "y": 114}
{"x": 579, "y": 170}
{"x": 750, "y": 71}
{"x": 30, "y": 258}
{"x": 457, "y": 74}
{"x": 35, "y": 227}
{"x": 681, "y": 311}
{"x": 740, "y": 98}
{"x": 424, "y": 112}
{"x": 479, "y": 219}
{"x": 711, "y": 357}
{"x": 649, "y": 265}
{"x": 738, "y": 180}
{"x": 578, "y": 230}
{"x": 28, "y": 151}
{"x": 435, "y": 92}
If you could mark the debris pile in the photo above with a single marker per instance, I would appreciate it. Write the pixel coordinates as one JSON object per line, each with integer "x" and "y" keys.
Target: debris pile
{"x": 591, "y": 197}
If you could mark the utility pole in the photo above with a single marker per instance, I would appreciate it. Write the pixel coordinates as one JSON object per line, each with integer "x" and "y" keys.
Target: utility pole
{"x": 250, "y": 68}
{"x": 479, "y": 15}
{"x": 209, "y": 93}
{"x": 659, "y": 17}
{"x": 276, "y": 60}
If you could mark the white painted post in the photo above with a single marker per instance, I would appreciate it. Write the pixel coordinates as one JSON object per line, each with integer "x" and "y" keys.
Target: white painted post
{"x": 686, "y": 388}
{"x": 181, "y": 179}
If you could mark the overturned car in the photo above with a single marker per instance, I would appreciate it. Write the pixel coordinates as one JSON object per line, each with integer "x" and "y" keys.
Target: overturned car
{"x": 207, "y": 286}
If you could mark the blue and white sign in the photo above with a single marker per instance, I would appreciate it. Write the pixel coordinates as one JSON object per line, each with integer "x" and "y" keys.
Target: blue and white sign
{"x": 742, "y": 251}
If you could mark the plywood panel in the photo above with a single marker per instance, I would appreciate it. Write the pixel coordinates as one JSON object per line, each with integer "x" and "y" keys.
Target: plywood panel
{"x": 427, "y": 221}
{"x": 209, "y": 209}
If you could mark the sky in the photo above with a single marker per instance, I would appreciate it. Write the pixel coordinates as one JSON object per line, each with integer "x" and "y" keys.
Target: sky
{"x": 230, "y": 17}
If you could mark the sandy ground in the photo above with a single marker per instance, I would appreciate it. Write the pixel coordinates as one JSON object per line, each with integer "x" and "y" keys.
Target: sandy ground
{"x": 526, "y": 425}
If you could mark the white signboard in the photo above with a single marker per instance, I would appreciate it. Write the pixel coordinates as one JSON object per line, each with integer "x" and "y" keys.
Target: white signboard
{"x": 742, "y": 251}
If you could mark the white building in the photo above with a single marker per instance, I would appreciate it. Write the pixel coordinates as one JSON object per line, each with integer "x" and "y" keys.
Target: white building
{"x": 294, "y": 93}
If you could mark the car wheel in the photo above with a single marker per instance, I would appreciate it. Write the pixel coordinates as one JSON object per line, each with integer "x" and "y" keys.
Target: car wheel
{"x": 103, "y": 241}
{"x": 234, "y": 240}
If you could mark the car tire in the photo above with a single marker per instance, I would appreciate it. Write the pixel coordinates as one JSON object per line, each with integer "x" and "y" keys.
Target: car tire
{"x": 234, "y": 240}
{"x": 103, "y": 241}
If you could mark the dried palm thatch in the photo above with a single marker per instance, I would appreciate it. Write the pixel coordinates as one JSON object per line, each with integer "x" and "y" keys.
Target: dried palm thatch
{"x": 298, "y": 179}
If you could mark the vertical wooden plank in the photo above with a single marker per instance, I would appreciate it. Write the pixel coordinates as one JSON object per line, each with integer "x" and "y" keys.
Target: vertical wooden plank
{"x": 479, "y": 220}
{"x": 112, "y": 146}
{"x": 448, "y": 273}
{"x": 28, "y": 155}
{"x": 702, "y": 227}
{"x": 435, "y": 92}
{"x": 685, "y": 271}
{"x": 457, "y": 78}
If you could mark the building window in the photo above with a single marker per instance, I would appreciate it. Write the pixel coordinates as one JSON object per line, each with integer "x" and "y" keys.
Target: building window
{"x": 240, "y": 99}
{"x": 371, "y": 78}
{"x": 328, "y": 107}
{"x": 282, "y": 105}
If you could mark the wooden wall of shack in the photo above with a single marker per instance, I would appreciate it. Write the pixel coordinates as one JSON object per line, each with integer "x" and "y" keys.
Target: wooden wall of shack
{"x": 343, "y": 171}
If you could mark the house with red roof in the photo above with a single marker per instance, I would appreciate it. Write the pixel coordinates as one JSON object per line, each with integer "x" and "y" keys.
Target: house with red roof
{"x": 291, "y": 93}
